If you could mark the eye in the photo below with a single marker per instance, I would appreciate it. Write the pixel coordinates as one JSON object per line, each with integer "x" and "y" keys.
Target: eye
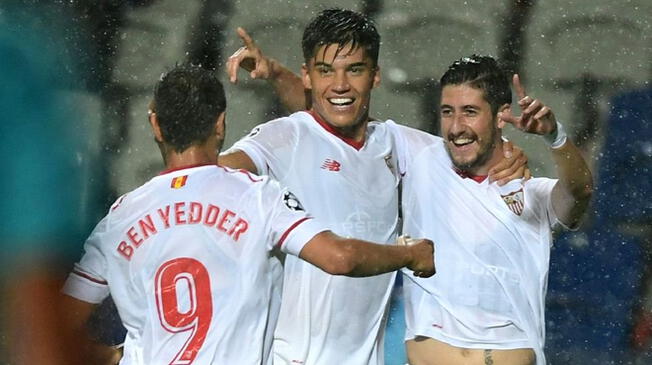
{"x": 324, "y": 70}
{"x": 446, "y": 112}
{"x": 356, "y": 70}
{"x": 470, "y": 112}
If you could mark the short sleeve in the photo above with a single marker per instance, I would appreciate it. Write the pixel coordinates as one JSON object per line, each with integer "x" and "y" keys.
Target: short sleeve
{"x": 540, "y": 190}
{"x": 291, "y": 226}
{"x": 87, "y": 281}
{"x": 270, "y": 145}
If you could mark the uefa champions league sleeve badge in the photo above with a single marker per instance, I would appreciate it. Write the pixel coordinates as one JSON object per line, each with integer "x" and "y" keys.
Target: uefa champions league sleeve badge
{"x": 292, "y": 202}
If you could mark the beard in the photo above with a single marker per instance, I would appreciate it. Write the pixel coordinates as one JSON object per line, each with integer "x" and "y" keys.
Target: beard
{"x": 483, "y": 155}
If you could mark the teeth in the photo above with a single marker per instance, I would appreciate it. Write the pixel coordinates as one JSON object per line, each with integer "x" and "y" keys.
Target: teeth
{"x": 340, "y": 101}
{"x": 462, "y": 140}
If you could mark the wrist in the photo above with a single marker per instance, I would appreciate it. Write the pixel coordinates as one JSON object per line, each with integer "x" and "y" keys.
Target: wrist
{"x": 557, "y": 138}
{"x": 274, "y": 69}
{"x": 410, "y": 256}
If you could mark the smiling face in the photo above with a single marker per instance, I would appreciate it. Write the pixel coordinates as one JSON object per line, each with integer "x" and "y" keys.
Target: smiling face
{"x": 341, "y": 83}
{"x": 470, "y": 129}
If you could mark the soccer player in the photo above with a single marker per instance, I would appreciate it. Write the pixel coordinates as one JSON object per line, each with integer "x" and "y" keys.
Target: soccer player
{"x": 486, "y": 304}
{"x": 188, "y": 256}
{"x": 343, "y": 167}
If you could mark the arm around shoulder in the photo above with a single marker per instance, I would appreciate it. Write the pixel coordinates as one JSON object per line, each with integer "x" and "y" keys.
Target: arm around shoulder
{"x": 237, "y": 160}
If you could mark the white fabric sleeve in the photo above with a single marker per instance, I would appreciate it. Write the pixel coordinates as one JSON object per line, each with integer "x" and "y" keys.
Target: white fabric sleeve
{"x": 540, "y": 189}
{"x": 291, "y": 226}
{"x": 270, "y": 146}
{"x": 87, "y": 280}
{"x": 298, "y": 234}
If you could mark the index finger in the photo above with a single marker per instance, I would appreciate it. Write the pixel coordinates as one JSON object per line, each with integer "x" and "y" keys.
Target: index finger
{"x": 246, "y": 39}
{"x": 520, "y": 90}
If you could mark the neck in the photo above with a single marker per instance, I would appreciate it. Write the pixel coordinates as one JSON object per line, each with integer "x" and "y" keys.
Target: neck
{"x": 193, "y": 155}
{"x": 355, "y": 134}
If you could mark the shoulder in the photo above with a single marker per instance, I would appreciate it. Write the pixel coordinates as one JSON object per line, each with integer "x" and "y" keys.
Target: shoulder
{"x": 242, "y": 176}
{"x": 293, "y": 120}
{"x": 411, "y": 134}
{"x": 280, "y": 130}
{"x": 413, "y": 140}
{"x": 539, "y": 187}
{"x": 123, "y": 204}
{"x": 539, "y": 182}
{"x": 243, "y": 183}
{"x": 186, "y": 182}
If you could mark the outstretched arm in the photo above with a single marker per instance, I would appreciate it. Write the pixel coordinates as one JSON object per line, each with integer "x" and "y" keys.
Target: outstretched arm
{"x": 572, "y": 193}
{"x": 287, "y": 85}
{"x": 342, "y": 256}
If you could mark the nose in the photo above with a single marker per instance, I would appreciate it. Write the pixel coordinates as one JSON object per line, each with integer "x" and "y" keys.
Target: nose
{"x": 457, "y": 123}
{"x": 341, "y": 82}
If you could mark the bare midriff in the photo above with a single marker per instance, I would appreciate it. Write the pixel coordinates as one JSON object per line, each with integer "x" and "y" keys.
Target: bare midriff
{"x": 428, "y": 351}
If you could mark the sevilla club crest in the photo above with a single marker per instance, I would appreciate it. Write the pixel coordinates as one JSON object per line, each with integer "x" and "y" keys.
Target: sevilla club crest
{"x": 515, "y": 201}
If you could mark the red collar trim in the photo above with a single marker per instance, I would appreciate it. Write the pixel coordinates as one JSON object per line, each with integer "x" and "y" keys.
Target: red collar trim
{"x": 185, "y": 167}
{"x": 330, "y": 129}
{"x": 464, "y": 175}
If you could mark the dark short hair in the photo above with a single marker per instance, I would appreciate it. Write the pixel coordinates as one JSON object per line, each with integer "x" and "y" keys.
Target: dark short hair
{"x": 187, "y": 101}
{"x": 484, "y": 73}
{"x": 341, "y": 27}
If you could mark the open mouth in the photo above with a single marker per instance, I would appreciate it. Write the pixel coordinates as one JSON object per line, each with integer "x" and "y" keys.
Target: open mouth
{"x": 341, "y": 101}
{"x": 462, "y": 141}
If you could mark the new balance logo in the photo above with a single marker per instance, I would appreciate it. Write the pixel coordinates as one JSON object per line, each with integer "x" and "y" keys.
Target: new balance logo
{"x": 331, "y": 165}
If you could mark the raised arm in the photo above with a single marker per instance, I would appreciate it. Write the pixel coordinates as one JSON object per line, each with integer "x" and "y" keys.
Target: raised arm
{"x": 287, "y": 85}
{"x": 572, "y": 193}
{"x": 342, "y": 256}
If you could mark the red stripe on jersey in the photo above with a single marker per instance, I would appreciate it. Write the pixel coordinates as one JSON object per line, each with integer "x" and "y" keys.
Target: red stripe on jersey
{"x": 88, "y": 277}
{"x": 463, "y": 174}
{"x": 118, "y": 202}
{"x": 292, "y": 227}
{"x": 330, "y": 129}
{"x": 243, "y": 171}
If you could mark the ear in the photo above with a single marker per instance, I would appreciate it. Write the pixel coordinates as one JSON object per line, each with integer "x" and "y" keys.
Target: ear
{"x": 505, "y": 108}
{"x": 305, "y": 77}
{"x": 220, "y": 126}
{"x": 376, "y": 77}
{"x": 156, "y": 128}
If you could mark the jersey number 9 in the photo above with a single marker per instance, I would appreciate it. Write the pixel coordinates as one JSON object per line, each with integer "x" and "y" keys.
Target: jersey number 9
{"x": 184, "y": 281}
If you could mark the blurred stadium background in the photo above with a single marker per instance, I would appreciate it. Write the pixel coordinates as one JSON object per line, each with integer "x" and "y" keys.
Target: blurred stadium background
{"x": 591, "y": 60}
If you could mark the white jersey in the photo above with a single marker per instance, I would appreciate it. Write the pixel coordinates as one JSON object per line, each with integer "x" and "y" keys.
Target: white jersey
{"x": 492, "y": 251}
{"x": 187, "y": 258}
{"x": 352, "y": 188}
